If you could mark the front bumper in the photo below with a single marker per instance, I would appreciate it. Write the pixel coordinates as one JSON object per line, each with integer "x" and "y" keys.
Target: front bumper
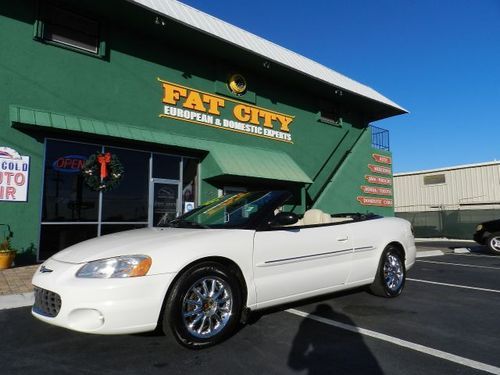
{"x": 481, "y": 237}
{"x": 102, "y": 306}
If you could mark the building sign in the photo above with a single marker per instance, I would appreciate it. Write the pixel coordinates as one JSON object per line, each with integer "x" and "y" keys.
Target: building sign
{"x": 380, "y": 202}
{"x": 384, "y": 191}
{"x": 382, "y": 159}
{"x": 380, "y": 169}
{"x": 198, "y": 107}
{"x": 14, "y": 175}
{"x": 376, "y": 190}
{"x": 69, "y": 163}
{"x": 378, "y": 180}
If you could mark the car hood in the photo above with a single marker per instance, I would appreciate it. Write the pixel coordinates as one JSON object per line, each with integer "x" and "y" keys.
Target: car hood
{"x": 139, "y": 241}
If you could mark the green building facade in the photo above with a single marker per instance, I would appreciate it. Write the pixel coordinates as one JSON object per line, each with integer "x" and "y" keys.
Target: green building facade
{"x": 183, "y": 116}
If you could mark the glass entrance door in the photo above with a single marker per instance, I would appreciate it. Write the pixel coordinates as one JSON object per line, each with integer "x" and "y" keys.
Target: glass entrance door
{"x": 164, "y": 201}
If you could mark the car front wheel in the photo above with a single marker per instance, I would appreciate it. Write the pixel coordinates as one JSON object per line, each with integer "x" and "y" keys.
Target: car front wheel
{"x": 204, "y": 306}
{"x": 391, "y": 274}
{"x": 494, "y": 243}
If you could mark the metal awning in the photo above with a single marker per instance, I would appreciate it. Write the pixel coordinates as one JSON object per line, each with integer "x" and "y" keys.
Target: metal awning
{"x": 256, "y": 162}
{"x": 230, "y": 160}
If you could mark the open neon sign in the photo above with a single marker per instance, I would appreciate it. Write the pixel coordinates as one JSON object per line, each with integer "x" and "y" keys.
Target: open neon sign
{"x": 69, "y": 163}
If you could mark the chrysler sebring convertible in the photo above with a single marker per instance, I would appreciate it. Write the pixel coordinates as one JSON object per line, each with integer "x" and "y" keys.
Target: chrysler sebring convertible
{"x": 201, "y": 274}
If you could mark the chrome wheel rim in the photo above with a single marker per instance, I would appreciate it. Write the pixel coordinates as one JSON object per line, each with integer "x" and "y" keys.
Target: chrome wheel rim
{"x": 393, "y": 272}
{"x": 207, "y": 307}
{"x": 495, "y": 243}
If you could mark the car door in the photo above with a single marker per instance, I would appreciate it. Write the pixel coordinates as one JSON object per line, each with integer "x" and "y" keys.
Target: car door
{"x": 366, "y": 250}
{"x": 295, "y": 262}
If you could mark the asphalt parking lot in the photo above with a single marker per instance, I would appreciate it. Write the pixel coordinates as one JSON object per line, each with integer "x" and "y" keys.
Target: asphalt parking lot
{"x": 446, "y": 322}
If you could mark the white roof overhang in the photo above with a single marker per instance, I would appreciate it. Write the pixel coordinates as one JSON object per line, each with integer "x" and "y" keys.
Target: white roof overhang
{"x": 217, "y": 28}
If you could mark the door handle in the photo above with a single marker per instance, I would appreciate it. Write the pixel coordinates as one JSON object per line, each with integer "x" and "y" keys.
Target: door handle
{"x": 342, "y": 238}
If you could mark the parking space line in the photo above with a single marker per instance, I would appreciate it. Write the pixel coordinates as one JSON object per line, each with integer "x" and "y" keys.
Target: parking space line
{"x": 458, "y": 264}
{"x": 403, "y": 343}
{"x": 455, "y": 285}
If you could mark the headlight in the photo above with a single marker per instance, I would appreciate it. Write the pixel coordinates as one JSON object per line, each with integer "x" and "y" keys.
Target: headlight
{"x": 118, "y": 267}
{"x": 479, "y": 227}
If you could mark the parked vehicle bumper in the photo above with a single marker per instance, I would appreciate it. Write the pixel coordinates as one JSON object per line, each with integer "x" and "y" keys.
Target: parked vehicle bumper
{"x": 481, "y": 237}
{"x": 101, "y": 306}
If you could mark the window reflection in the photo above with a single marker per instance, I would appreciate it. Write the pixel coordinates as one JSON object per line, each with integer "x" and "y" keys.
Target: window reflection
{"x": 65, "y": 195}
{"x": 166, "y": 166}
{"x": 129, "y": 200}
{"x": 114, "y": 228}
{"x": 57, "y": 237}
{"x": 67, "y": 199}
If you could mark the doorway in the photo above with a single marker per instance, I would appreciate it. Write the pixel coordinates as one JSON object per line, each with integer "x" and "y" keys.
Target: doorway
{"x": 164, "y": 206}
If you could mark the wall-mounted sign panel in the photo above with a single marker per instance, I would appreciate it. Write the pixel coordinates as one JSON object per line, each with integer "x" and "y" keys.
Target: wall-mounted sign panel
{"x": 382, "y": 159}
{"x": 378, "y": 180}
{"x": 380, "y": 169}
{"x": 376, "y": 190}
{"x": 379, "y": 202}
{"x": 202, "y": 108}
{"x": 14, "y": 175}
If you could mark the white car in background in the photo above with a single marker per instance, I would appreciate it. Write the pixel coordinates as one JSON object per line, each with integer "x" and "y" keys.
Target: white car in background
{"x": 198, "y": 276}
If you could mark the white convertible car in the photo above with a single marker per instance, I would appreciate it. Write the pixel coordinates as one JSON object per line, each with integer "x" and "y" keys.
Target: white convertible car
{"x": 201, "y": 274}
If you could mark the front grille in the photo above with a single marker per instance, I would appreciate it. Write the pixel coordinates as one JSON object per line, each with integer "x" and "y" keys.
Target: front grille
{"x": 46, "y": 302}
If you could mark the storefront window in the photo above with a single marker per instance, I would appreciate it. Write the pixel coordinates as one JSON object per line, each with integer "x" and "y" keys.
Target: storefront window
{"x": 128, "y": 201}
{"x": 189, "y": 174}
{"x": 57, "y": 237}
{"x": 166, "y": 166}
{"x": 114, "y": 228}
{"x": 73, "y": 212}
{"x": 66, "y": 198}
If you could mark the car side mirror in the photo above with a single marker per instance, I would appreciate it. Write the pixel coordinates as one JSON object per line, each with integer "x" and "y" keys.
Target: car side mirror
{"x": 285, "y": 218}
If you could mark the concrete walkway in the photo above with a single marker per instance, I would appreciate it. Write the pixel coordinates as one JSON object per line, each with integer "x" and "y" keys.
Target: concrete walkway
{"x": 16, "y": 289}
{"x": 16, "y": 280}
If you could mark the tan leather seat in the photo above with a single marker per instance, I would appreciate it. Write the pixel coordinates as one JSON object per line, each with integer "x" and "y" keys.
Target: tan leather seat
{"x": 315, "y": 216}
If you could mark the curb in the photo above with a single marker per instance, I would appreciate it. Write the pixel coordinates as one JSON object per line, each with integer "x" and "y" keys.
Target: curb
{"x": 12, "y": 301}
{"x": 462, "y": 250}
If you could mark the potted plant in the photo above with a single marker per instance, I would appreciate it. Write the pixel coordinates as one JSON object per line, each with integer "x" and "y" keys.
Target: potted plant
{"x": 7, "y": 253}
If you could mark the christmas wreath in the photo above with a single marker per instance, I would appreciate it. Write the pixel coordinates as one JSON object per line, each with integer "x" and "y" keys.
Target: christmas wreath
{"x": 102, "y": 172}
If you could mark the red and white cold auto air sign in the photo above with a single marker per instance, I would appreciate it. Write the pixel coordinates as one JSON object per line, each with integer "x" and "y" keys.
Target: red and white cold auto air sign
{"x": 14, "y": 175}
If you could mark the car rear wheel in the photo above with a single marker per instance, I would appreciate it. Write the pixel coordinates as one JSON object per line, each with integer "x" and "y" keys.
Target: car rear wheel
{"x": 391, "y": 274}
{"x": 493, "y": 243}
{"x": 204, "y": 306}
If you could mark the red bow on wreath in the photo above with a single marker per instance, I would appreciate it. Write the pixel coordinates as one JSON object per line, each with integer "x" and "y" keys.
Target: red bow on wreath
{"x": 104, "y": 160}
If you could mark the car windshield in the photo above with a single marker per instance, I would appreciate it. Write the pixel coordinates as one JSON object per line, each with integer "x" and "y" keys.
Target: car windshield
{"x": 230, "y": 211}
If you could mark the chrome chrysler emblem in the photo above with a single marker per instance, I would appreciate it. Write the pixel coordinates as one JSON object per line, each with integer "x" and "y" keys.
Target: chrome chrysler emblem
{"x": 44, "y": 269}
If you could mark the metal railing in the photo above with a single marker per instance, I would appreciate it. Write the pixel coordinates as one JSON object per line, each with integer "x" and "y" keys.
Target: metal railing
{"x": 380, "y": 138}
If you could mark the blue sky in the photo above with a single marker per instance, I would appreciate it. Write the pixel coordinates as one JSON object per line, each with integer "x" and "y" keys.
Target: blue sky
{"x": 439, "y": 59}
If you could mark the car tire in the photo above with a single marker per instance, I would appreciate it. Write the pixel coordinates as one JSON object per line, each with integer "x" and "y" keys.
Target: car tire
{"x": 204, "y": 306}
{"x": 391, "y": 274}
{"x": 493, "y": 243}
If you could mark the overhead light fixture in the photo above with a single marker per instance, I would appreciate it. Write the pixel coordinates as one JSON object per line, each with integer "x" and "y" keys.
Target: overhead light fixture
{"x": 159, "y": 21}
